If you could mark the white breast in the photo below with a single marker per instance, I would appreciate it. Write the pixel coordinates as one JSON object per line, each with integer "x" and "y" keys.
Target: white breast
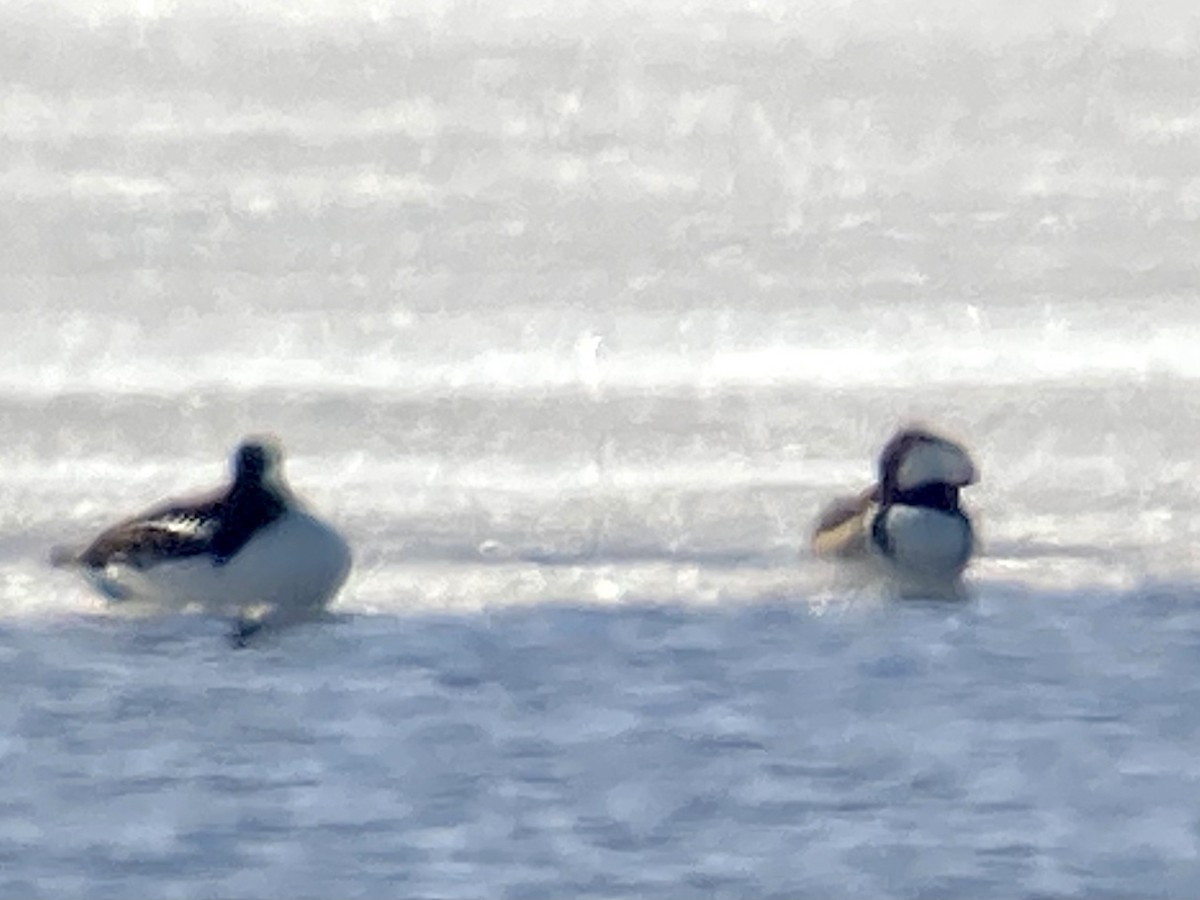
{"x": 927, "y": 541}
{"x": 297, "y": 563}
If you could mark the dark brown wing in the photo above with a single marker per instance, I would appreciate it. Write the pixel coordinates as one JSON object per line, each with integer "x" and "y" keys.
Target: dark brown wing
{"x": 840, "y": 530}
{"x": 173, "y": 531}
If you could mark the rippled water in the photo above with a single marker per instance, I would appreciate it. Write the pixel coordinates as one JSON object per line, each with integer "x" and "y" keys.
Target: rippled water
{"x": 571, "y": 318}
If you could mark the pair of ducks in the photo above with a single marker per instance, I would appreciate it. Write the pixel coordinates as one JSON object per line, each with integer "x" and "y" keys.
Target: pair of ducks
{"x": 253, "y": 549}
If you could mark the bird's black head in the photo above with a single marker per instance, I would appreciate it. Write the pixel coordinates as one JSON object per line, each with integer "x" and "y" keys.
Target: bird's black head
{"x": 918, "y": 461}
{"x": 259, "y": 460}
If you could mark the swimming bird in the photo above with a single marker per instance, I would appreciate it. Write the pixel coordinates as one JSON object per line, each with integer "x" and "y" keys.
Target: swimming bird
{"x": 910, "y": 520}
{"x": 250, "y": 549}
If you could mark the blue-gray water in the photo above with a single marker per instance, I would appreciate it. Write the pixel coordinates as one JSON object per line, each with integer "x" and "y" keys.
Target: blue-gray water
{"x": 571, "y": 318}
{"x": 1028, "y": 745}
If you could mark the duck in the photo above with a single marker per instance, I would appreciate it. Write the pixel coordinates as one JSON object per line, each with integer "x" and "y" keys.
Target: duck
{"x": 911, "y": 521}
{"x": 251, "y": 549}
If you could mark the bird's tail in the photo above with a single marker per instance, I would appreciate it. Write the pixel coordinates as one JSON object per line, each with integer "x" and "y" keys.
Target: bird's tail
{"x": 64, "y": 557}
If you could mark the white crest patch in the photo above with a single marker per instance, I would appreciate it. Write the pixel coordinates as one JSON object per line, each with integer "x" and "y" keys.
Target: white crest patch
{"x": 932, "y": 462}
